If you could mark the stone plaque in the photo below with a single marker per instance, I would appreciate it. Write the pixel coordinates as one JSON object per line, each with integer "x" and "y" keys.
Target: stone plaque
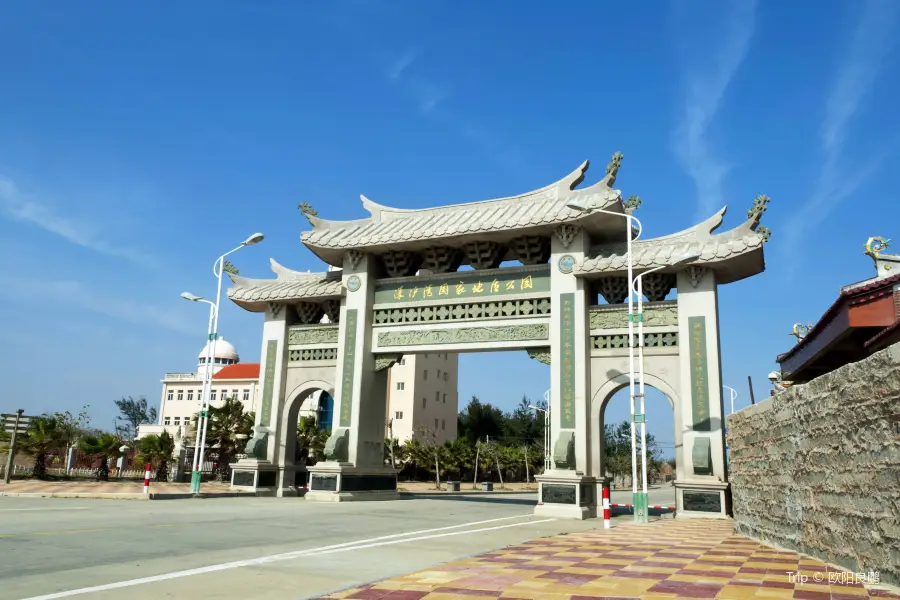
{"x": 475, "y": 284}
{"x": 349, "y": 363}
{"x": 567, "y": 361}
{"x": 323, "y": 483}
{"x": 243, "y": 478}
{"x": 268, "y": 383}
{"x": 266, "y": 479}
{"x": 368, "y": 483}
{"x": 702, "y": 501}
{"x": 557, "y": 494}
{"x": 699, "y": 373}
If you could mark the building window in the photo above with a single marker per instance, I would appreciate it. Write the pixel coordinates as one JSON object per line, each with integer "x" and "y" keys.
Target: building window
{"x": 234, "y": 394}
{"x": 426, "y": 356}
{"x": 212, "y": 395}
{"x": 169, "y": 396}
{"x": 437, "y": 397}
{"x": 435, "y": 424}
{"x": 425, "y": 375}
{"x": 443, "y": 424}
{"x": 439, "y": 373}
{"x": 180, "y": 395}
{"x": 445, "y": 375}
{"x": 246, "y": 395}
{"x": 199, "y": 395}
{"x": 167, "y": 421}
{"x": 401, "y": 385}
{"x": 402, "y": 361}
{"x": 424, "y": 400}
{"x": 326, "y": 411}
{"x": 445, "y": 356}
{"x": 445, "y": 398}
{"x": 398, "y": 415}
{"x": 178, "y": 420}
{"x": 190, "y": 395}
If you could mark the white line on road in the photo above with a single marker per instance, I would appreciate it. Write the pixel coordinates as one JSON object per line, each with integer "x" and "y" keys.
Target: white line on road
{"x": 345, "y": 547}
{"x": 42, "y": 509}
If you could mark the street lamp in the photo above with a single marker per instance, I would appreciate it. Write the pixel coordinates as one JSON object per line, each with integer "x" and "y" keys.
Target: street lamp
{"x": 212, "y": 337}
{"x": 547, "y": 437}
{"x": 630, "y": 235}
{"x": 637, "y": 287}
{"x": 733, "y": 393}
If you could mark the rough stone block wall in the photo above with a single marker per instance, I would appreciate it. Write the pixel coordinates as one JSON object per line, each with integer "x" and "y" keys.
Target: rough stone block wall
{"x": 816, "y": 469}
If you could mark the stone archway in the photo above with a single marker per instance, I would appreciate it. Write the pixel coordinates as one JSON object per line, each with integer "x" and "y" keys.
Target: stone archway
{"x": 287, "y": 443}
{"x": 599, "y": 402}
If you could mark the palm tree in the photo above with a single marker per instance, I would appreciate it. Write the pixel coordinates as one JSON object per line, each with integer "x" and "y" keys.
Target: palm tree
{"x": 42, "y": 438}
{"x": 157, "y": 450}
{"x": 310, "y": 441}
{"x": 227, "y": 429}
{"x": 102, "y": 446}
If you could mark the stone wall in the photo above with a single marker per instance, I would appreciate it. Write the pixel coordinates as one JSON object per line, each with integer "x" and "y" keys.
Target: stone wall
{"x": 816, "y": 469}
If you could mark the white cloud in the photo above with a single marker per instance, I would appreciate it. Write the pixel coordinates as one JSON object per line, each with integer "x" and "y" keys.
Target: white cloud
{"x": 854, "y": 78}
{"x": 18, "y": 206}
{"x": 401, "y": 64}
{"x": 77, "y": 294}
{"x": 705, "y": 88}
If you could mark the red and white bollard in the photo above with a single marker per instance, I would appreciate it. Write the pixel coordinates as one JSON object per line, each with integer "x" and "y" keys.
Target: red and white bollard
{"x": 606, "y": 510}
{"x": 147, "y": 479}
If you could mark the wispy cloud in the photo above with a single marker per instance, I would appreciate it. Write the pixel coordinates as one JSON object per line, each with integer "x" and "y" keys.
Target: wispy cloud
{"x": 82, "y": 296}
{"x": 426, "y": 92}
{"x": 401, "y": 64}
{"x": 705, "y": 87}
{"x": 854, "y": 79}
{"x": 19, "y": 206}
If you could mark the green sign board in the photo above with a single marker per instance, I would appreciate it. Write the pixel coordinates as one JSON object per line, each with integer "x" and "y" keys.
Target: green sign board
{"x": 346, "y": 399}
{"x": 699, "y": 373}
{"x": 567, "y": 361}
{"x": 463, "y": 285}
{"x": 268, "y": 382}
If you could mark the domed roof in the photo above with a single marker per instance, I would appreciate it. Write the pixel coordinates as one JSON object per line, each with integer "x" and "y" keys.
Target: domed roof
{"x": 223, "y": 350}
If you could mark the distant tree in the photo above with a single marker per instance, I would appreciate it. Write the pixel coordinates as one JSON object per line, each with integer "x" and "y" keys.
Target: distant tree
{"x": 157, "y": 450}
{"x": 72, "y": 427}
{"x": 434, "y": 451}
{"x": 134, "y": 413}
{"x": 227, "y": 430}
{"x": 43, "y": 437}
{"x": 310, "y": 441}
{"x": 479, "y": 420}
{"x": 102, "y": 447}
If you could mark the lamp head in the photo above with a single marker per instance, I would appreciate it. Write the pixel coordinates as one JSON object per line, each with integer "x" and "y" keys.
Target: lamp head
{"x": 773, "y": 376}
{"x": 253, "y": 239}
{"x": 578, "y": 205}
{"x": 191, "y": 297}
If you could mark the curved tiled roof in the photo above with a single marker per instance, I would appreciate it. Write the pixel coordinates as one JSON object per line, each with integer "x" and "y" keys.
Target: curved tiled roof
{"x": 712, "y": 248}
{"x": 385, "y": 226}
{"x": 287, "y": 285}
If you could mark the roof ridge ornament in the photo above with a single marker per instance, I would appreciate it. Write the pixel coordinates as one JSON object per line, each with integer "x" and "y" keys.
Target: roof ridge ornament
{"x": 612, "y": 168}
{"x": 760, "y": 203}
{"x": 876, "y": 245}
{"x": 633, "y": 203}
{"x": 308, "y": 211}
{"x": 800, "y": 330}
{"x": 228, "y": 267}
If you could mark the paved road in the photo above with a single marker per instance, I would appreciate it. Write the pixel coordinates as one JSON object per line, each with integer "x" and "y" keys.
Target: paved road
{"x": 245, "y": 548}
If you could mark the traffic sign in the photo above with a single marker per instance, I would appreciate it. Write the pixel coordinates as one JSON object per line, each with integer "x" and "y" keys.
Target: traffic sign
{"x": 19, "y": 423}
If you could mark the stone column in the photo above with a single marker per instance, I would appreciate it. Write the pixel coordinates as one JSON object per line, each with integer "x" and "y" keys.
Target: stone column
{"x": 701, "y": 481}
{"x": 354, "y": 467}
{"x": 259, "y": 471}
{"x": 568, "y": 490}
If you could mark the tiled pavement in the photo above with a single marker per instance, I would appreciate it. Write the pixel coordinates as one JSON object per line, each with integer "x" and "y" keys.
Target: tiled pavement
{"x": 665, "y": 559}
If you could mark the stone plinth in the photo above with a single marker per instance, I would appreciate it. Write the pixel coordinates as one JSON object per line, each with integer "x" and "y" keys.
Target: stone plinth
{"x": 702, "y": 499}
{"x": 342, "y": 482}
{"x": 252, "y": 475}
{"x": 566, "y": 495}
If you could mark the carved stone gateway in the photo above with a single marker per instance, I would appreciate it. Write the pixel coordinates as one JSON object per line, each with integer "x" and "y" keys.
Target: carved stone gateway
{"x": 394, "y": 288}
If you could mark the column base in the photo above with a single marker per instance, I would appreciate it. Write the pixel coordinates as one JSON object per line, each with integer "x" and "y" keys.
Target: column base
{"x": 566, "y": 495}
{"x": 702, "y": 499}
{"x": 252, "y": 475}
{"x": 342, "y": 482}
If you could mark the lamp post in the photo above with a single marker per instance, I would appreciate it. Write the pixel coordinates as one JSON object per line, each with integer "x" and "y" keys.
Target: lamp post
{"x": 212, "y": 337}
{"x": 638, "y": 288}
{"x": 630, "y": 235}
{"x": 546, "y": 411}
{"x": 733, "y": 393}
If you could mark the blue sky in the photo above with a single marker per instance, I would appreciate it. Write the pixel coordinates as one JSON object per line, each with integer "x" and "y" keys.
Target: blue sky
{"x": 139, "y": 142}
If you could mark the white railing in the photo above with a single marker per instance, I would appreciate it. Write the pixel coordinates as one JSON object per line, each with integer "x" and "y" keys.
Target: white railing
{"x": 181, "y": 377}
{"x": 81, "y": 472}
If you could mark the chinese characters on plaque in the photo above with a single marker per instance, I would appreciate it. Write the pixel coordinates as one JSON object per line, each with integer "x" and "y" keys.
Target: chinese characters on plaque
{"x": 468, "y": 287}
{"x": 268, "y": 382}
{"x": 567, "y": 361}
{"x": 346, "y": 399}
{"x": 699, "y": 373}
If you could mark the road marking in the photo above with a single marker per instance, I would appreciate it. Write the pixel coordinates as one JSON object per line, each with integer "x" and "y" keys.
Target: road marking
{"x": 385, "y": 540}
{"x": 41, "y": 509}
{"x": 66, "y": 531}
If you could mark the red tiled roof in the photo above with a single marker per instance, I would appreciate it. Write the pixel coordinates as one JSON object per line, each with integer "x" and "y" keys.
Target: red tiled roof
{"x": 850, "y": 296}
{"x": 239, "y": 371}
{"x": 887, "y": 331}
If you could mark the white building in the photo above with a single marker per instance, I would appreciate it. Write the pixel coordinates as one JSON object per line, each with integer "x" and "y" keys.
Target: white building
{"x": 422, "y": 393}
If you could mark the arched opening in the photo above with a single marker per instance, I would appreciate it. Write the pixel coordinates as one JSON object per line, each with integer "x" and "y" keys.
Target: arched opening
{"x": 324, "y": 411}
{"x": 306, "y": 425}
{"x": 611, "y": 412}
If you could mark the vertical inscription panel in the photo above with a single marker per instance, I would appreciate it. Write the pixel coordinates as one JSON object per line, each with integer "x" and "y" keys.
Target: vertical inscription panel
{"x": 567, "y": 361}
{"x": 699, "y": 373}
{"x": 348, "y": 367}
{"x": 268, "y": 382}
